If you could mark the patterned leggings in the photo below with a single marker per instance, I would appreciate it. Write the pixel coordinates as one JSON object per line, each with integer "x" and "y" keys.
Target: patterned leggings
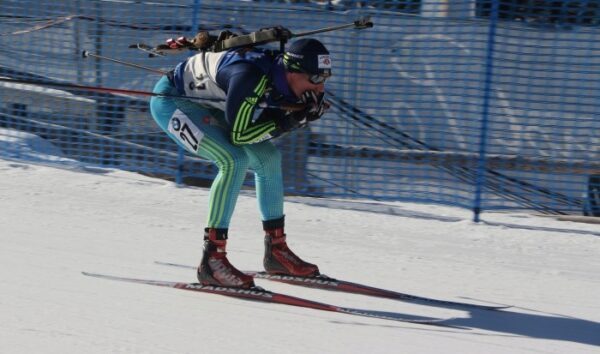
{"x": 189, "y": 125}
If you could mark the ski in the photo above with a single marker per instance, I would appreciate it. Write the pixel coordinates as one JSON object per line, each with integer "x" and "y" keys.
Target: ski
{"x": 260, "y": 294}
{"x": 326, "y": 283}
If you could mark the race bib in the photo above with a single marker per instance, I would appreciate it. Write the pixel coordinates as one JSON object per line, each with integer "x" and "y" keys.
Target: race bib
{"x": 185, "y": 131}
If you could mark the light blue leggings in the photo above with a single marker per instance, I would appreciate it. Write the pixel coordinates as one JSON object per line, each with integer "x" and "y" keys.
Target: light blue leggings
{"x": 188, "y": 124}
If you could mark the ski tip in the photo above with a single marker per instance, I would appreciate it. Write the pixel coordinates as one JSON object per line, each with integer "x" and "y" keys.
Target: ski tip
{"x": 95, "y": 275}
{"x": 174, "y": 265}
{"x": 499, "y": 308}
{"x": 469, "y": 306}
{"x": 488, "y": 305}
{"x": 447, "y": 323}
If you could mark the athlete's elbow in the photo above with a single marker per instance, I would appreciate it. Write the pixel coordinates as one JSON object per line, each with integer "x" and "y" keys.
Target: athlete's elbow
{"x": 236, "y": 139}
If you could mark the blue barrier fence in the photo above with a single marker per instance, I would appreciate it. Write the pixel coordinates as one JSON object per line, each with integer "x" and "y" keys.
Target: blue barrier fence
{"x": 487, "y": 105}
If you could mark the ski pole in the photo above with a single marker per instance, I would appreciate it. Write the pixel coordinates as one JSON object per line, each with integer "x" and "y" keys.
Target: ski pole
{"x": 96, "y": 88}
{"x": 86, "y": 54}
{"x": 290, "y": 107}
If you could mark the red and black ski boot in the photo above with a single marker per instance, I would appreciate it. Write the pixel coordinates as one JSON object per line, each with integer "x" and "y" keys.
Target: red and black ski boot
{"x": 215, "y": 269}
{"x": 279, "y": 259}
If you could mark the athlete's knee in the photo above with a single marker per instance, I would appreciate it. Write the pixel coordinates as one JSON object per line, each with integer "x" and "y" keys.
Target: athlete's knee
{"x": 233, "y": 161}
{"x": 270, "y": 160}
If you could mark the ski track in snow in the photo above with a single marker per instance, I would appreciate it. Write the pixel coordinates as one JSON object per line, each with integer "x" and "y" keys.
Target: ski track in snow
{"x": 60, "y": 219}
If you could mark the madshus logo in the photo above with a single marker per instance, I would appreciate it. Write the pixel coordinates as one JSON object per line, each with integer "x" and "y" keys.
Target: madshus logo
{"x": 224, "y": 289}
{"x": 176, "y": 124}
{"x": 313, "y": 280}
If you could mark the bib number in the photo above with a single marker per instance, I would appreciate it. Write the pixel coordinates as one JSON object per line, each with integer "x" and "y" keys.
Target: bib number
{"x": 185, "y": 131}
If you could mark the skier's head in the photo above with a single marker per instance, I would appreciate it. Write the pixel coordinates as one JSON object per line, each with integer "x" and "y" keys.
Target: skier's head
{"x": 308, "y": 56}
{"x": 308, "y": 65}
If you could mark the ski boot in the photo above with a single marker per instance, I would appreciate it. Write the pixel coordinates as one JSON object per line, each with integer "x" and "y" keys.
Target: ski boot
{"x": 215, "y": 269}
{"x": 279, "y": 259}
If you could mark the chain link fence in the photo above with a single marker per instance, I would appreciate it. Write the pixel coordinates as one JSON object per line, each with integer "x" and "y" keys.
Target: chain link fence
{"x": 487, "y": 105}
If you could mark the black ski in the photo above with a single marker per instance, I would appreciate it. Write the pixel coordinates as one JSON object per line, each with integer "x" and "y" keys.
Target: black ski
{"x": 327, "y": 283}
{"x": 260, "y": 294}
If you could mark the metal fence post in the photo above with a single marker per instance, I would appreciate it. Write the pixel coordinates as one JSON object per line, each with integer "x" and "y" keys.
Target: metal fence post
{"x": 489, "y": 68}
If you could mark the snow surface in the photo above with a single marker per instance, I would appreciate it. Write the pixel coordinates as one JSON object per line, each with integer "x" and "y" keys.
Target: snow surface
{"x": 60, "y": 219}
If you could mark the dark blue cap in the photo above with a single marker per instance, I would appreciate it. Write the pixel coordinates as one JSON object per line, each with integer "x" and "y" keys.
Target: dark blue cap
{"x": 309, "y": 56}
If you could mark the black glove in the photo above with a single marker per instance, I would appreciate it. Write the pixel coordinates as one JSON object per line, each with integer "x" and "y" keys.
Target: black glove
{"x": 315, "y": 105}
{"x": 291, "y": 121}
{"x": 314, "y": 108}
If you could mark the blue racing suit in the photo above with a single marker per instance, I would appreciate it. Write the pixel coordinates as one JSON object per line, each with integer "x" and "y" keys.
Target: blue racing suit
{"x": 229, "y": 121}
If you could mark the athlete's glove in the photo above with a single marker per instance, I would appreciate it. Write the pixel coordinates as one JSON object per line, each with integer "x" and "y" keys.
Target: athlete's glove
{"x": 292, "y": 121}
{"x": 312, "y": 107}
{"x": 315, "y": 105}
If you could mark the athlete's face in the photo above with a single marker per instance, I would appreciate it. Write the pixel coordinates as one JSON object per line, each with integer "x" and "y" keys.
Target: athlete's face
{"x": 301, "y": 82}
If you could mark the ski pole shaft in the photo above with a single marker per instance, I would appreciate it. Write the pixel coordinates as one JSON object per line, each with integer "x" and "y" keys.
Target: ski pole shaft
{"x": 98, "y": 89}
{"x": 290, "y": 107}
{"x": 358, "y": 24}
{"x": 86, "y": 54}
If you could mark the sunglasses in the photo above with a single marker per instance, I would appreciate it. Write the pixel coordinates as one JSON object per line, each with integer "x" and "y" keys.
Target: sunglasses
{"x": 317, "y": 79}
